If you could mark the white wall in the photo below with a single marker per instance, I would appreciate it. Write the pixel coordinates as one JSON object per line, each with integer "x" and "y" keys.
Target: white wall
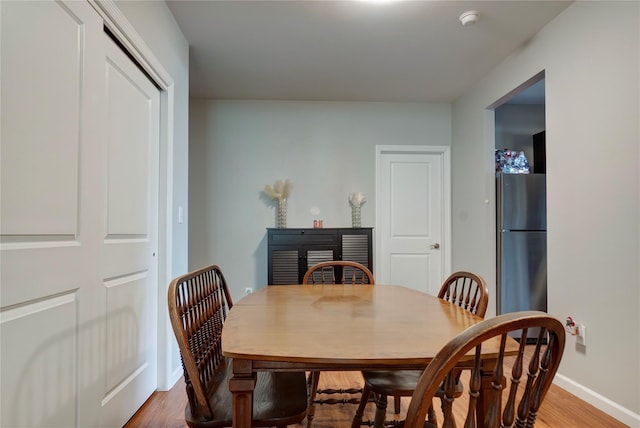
{"x": 153, "y": 21}
{"x": 326, "y": 149}
{"x": 590, "y": 54}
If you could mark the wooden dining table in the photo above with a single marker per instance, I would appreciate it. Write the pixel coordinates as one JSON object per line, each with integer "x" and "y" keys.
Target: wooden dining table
{"x": 338, "y": 327}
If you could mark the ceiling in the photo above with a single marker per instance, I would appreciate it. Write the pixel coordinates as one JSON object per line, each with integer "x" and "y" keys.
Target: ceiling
{"x": 411, "y": 50}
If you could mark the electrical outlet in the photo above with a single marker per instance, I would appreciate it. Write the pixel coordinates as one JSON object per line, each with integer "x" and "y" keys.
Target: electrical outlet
{"x": 248, "y": 291}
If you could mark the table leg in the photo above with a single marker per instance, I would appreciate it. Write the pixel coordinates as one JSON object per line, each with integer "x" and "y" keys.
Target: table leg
{"x": 241, "y": 386}
{"x": 488, "y": 405}
{"x": 484, "y": 400}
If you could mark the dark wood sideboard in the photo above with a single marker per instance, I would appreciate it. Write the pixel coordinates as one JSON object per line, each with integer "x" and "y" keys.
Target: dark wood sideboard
{"x": 292, "y": 251}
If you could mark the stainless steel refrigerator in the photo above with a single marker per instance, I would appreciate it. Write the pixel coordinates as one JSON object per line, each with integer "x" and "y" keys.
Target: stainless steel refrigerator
{"x": 521, "y": 242}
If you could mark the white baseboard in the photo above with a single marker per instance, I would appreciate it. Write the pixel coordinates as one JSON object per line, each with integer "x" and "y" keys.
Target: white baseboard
{"x": 615, "y": 410}
{"x": 175, "y": 376}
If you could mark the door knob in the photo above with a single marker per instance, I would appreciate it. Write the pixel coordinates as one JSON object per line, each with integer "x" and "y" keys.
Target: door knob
{"x": 435, "y": 246}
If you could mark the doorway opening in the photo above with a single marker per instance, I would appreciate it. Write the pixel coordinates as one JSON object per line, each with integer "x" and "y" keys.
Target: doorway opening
{"x": 521, "y": 227}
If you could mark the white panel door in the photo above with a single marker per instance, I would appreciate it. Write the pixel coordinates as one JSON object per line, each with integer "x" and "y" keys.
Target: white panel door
{"x": 49, "y": 155}
{"x": 129, "y": 268}
{"x": 410, "y": 220}
{"x": 78, "y": 221}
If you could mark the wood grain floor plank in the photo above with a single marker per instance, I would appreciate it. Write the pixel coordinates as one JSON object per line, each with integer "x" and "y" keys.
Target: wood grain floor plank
{"x": 559, "y": 410}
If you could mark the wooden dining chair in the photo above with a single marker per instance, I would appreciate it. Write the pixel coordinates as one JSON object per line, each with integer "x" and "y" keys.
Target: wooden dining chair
{"x": 333, "y": 272}
{"x": 524, "y": 394}
{"x": 338, "y": 272}
{"x": 198, "y": 305}
{"x": 464, "y": 289}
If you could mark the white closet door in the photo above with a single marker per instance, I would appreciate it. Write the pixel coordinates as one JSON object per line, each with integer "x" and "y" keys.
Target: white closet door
{"x": 50, "y": 206}
{"x": 78, "y": 221}
{"x": 130, "y": 225}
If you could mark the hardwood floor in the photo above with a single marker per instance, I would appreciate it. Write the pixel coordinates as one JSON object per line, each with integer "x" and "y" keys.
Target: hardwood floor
{"x": 559, "y": 410}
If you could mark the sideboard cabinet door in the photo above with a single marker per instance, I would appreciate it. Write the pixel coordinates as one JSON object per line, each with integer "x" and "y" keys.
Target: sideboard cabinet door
{"x": 355, "y": 246}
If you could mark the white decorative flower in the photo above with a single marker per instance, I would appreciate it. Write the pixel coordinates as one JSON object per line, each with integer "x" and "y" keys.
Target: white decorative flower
{"x": 279, "y": 191}
{"x": 356, "y": 199}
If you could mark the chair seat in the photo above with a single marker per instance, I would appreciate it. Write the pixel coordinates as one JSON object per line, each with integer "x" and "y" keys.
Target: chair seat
{"x": 279, "y": 398}
{"x": 392, "y": 382}
{"x": 398, "y": 382}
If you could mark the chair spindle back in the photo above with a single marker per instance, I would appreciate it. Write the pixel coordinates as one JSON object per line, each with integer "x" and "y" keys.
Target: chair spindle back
{"x": 198, "y": 306}
{"x": 466, "y": 290}
{"x": 524, "y": 396}
{"x": 338, "y": 272}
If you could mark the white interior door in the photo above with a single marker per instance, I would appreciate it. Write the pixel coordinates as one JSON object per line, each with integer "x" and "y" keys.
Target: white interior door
{"x": 50, "y": 203}
{"x": 412, "y": 217}
{"x": 129, "y": 246}
{"x": 78, "y": 221}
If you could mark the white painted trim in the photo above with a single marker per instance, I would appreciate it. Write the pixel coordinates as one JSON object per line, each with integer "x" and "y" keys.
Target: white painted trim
{"x": 445, "y": 154}
{"x": 611, "y": 408}
{"x": 166, "y": 339}
{"x": 120, "y": 26}
{"x": 175, "y": 376}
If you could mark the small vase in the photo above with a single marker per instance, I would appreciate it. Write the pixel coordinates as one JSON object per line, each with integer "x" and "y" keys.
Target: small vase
{"x": 282, "y": 213}
{"x": 355, "y": 217}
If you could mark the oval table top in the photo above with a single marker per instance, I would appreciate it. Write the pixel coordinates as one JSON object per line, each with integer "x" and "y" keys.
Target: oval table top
{"x": 340, "y": 326}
